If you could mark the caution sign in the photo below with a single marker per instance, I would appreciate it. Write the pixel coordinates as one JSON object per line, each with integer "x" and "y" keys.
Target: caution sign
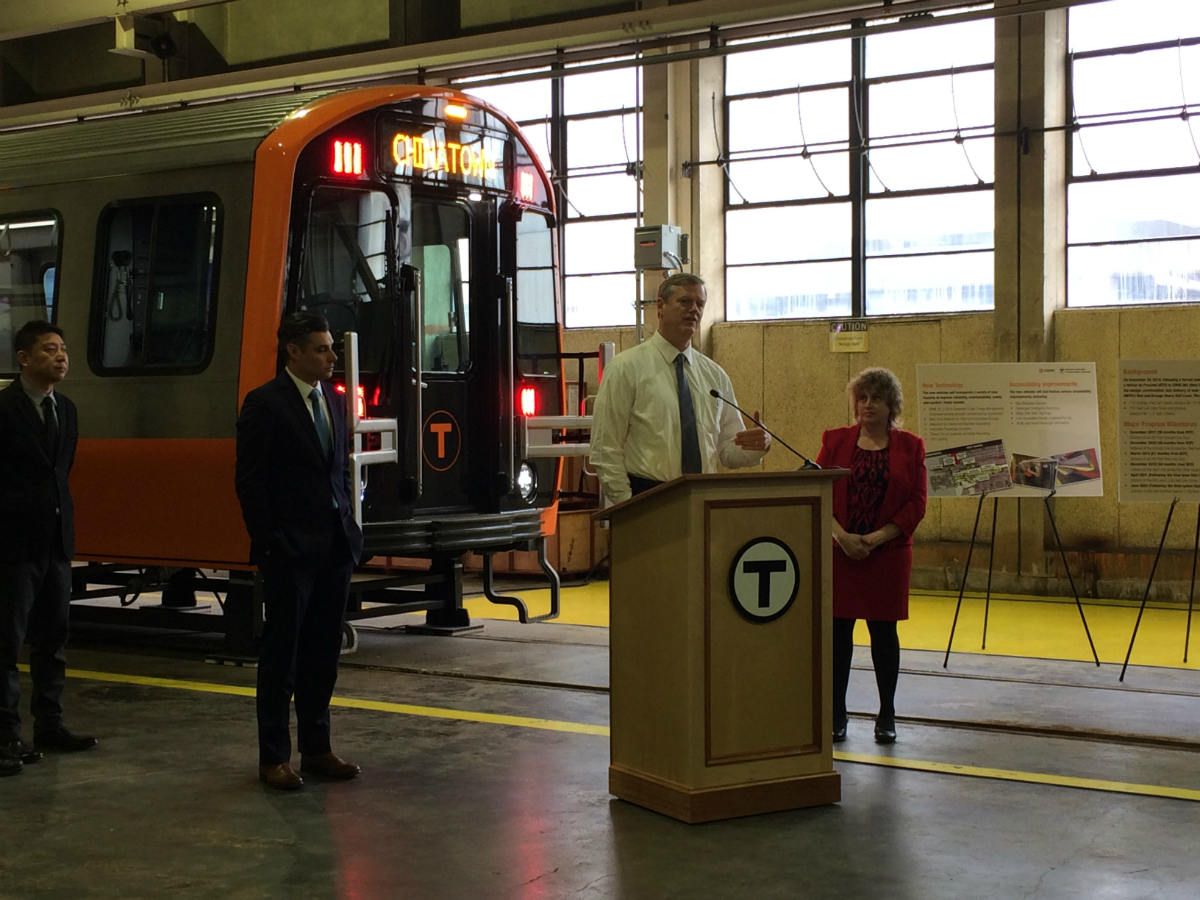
{"x": 441, "y": 441}
{"x": 764, "y": 579}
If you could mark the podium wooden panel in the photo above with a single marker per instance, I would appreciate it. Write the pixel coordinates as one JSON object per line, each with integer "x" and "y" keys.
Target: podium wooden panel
{"x": 716, "y": 713}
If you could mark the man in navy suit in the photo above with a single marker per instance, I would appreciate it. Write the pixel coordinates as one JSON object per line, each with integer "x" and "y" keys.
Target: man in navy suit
{"x": 38, "y": 430}
{"x": 293, "y": 482}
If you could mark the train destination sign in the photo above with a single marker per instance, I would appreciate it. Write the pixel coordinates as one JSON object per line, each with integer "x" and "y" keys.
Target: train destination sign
{"x": 473, "y": 159}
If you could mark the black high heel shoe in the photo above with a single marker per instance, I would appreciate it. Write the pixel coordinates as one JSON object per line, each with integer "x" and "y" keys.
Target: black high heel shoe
{"x": 885, "y": 732}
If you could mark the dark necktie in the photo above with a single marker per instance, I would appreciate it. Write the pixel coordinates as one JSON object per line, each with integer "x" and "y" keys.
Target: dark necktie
{"x": 50, "y": 414}
{"x": 323, "y": 434}
{"x": 688, "y": 438}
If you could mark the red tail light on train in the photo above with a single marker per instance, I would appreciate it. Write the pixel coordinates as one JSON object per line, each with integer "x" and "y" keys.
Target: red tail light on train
{"x": 362, "y": 399}
{"x": 527, "y": 401}
{"x": 347, "y": 158}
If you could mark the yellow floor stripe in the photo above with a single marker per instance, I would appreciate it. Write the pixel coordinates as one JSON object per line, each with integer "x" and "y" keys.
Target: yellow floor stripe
{"x": 1090, "y": 784}
{"x": 1036, "y": 627}
{"x": 433, "y": 712}
{"x": 404, "y": 709}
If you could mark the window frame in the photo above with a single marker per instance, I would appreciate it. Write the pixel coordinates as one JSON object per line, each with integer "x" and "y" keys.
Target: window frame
{"x": 1077, "y": 127}
{"x": 59, "y": 228}
{"x": 557, "y": 122}
{"x": 860, "y": 189}
{"x": 99, "y": 306}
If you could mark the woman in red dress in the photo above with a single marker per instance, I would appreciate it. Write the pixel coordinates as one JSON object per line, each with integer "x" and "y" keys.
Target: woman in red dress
{"x": 875, "y": 512}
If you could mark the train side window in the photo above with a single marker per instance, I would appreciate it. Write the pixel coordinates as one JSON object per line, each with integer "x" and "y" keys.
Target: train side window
{"x": 537, "y": 302}
{"x": 155, "y": 304}
{"x": 442, "y": 251}
{"x": 29, "y": 251}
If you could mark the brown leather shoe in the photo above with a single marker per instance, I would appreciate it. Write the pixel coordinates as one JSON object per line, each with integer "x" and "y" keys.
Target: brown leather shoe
{"x": 329, "y": 766}
{"x": 282, "y": 777}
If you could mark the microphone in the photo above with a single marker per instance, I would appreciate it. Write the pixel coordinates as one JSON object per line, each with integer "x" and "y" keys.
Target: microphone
{"x": 808, "y": 463}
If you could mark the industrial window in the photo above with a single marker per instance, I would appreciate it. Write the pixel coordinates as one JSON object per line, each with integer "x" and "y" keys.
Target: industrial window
{"x": 155, "y": 304}
{"x": 1133, "y": 192}
{"x": 859, "y": 174}
{"x": 29, "y": 245}
{"x": 587, "y": 130}
{"x": 537, "y": 302}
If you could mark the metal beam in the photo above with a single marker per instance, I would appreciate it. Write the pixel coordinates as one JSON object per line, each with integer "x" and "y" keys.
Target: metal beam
{"x": 24, "y": 19}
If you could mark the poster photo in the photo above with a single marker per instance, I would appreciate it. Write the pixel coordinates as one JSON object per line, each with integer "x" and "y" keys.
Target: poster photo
{"x": 969, "y": 470}
{"x": 1045, "y": 416}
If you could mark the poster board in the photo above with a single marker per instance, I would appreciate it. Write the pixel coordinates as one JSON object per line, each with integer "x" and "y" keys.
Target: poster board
{"x": 1158, "y": 430}
{"x": 1046, "y": 415}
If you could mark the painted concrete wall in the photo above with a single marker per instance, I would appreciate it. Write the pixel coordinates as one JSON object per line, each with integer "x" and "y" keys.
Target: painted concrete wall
{"x": 785, "y": 370}
{"x": 478, "y": 13}
{"x": 252, "y": 30}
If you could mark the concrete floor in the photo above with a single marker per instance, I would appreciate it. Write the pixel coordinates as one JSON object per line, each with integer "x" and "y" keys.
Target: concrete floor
{"x": 168, "y": 804}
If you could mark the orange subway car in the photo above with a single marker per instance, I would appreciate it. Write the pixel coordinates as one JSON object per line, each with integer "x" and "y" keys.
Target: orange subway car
{"x": 168, "y": 243}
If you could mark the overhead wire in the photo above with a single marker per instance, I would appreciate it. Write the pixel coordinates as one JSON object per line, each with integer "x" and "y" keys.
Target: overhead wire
{"x": 1185, "y": 114}
{"x": 958, "y": 138}
{"x": 864, "y": 144}
{"x": 1075, "y": 126}
{"x": 722, "y": 160}
{"x": 804, "y": 151}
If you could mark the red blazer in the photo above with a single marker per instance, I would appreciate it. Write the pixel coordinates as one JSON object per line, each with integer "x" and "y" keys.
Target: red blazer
{"x": 904, "y": 502}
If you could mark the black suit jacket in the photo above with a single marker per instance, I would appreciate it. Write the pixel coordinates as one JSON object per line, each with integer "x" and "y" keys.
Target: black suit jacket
{"x": 284, "y": 483}
{"x": 35, "y": 496}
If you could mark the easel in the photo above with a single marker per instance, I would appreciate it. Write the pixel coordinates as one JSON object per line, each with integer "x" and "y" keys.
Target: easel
{"x": 991, "y": 558}
{"x": 1187, "y": 635}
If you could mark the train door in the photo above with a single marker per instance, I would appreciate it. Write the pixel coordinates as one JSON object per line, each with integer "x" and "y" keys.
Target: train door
{"x": 449, "y": 250}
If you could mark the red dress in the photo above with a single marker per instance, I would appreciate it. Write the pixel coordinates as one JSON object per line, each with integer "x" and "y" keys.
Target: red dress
{"x": 884, "y": 486}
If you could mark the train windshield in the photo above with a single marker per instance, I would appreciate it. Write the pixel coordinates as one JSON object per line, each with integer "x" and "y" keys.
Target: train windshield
{"x": 356, "y": 240}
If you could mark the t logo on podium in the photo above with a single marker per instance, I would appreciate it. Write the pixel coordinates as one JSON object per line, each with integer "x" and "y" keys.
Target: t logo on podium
{"x": 764, "y": 579}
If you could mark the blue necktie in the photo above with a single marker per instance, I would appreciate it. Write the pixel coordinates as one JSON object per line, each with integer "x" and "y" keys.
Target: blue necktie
{"x": 323, "y": 434}
{"x": 688, "y": 437}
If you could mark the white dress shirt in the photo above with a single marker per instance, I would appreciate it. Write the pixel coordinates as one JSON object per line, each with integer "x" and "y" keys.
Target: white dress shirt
{"x": 635, "y": 424}
{"x": 37, "y": 396}
{"x": 305, "y": 389}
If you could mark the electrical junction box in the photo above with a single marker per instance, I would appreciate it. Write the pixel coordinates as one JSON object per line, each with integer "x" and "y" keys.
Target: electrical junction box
{"x": 659, "y": 247}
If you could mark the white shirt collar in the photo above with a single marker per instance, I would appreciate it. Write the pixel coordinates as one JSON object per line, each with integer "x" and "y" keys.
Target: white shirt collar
{"x": 303, "y": 386}
{"x": 668, "y": 350}
{"x": 36, "y": 395}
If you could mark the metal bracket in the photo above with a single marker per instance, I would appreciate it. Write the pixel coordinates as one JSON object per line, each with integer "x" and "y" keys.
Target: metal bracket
{"x": 489, "y": 589}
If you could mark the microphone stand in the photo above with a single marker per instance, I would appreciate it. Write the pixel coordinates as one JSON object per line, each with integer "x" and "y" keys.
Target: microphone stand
{"x": 808, "y": 463}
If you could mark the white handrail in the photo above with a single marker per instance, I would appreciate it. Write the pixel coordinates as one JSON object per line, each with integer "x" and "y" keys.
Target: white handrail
{"x": 360, "y": 425}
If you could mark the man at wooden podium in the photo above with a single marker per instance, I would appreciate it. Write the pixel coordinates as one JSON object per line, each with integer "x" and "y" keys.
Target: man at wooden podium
{"x": 655, "y": 417}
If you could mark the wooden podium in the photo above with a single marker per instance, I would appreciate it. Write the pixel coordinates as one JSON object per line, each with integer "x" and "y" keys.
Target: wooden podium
{"x": 720, "y": 645}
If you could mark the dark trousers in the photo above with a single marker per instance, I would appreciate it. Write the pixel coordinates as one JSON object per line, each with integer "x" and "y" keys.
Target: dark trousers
{"x": 35, "y": 597}
{"x": 640, "y": 485}
{"x": 304, "y": 607}
{"x": 885, "y": 657}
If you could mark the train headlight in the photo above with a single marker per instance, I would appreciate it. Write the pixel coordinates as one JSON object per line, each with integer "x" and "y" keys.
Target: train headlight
{"x": 527, "y": 482}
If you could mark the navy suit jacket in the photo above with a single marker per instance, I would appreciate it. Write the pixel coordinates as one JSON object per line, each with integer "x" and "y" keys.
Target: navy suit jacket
{"x": 284, "y": 483}
{"x": 34, "y": 492}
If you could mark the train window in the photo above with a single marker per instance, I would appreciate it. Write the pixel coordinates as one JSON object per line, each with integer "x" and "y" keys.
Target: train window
{"x": 537, "y": 306}
{"x": 345, "y": 275}
{"x": 156, "y": 290}
{"x": 442, "y": 251}
{"x": 29, "y": 246}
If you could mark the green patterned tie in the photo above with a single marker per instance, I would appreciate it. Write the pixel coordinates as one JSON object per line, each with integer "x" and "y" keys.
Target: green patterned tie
{"x": 688, "y": 437}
